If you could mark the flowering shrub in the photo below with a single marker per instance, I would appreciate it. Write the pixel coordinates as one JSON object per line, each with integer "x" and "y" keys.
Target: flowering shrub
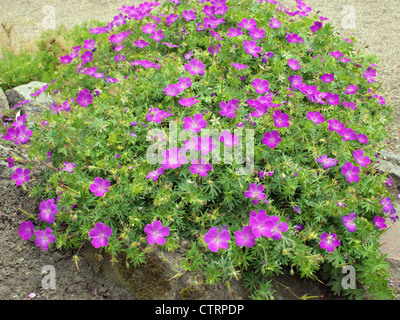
{"x": 233, "y": 78}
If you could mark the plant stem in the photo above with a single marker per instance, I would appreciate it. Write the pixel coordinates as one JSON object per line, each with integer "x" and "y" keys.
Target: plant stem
{"x": 28, "y": 214}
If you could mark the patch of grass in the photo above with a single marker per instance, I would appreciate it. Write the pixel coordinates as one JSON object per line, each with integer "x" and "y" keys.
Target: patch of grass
{"x": 38, "y": 61}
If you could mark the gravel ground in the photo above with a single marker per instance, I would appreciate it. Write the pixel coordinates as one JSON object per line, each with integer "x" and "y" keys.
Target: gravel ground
{"x": 21, "y": 263}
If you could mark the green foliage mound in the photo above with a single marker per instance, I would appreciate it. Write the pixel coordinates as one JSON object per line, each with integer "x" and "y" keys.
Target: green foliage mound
{"x": 284, "y": 113}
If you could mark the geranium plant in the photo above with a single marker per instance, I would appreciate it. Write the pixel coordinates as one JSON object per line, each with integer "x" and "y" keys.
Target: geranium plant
{"x": 248, "y": 128}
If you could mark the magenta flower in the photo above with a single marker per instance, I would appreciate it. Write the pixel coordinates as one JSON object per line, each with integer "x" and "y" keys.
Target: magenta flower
{"x": 387, "y": 206}
{"x": 87, "y": 56}
{"x": 172, "y": 158}
{"x": 119, "y": 37}
{"x": 43, "y": 238}
{"x": 303, "y": 7}
{"x": 327, "y": 77}
{"x": 203, "y": 144}
{"x": 229, "y": 139}
{"x": 149, "y": 28}
{"x": 239, "y": 66}
{"x": 296, "y": 81}
{"x": 26, "y": 230}
{"x": 329, "y": 241}
{"x": 351, "y": 89}
{"x": 327, "y": 162}
{"x": 315, "y": 117}
{"x": 157, "y": 36}
{"x": 100, "y": 234}
{"x": 251, "y": 48}
{"x": 98, "y": 30}
{"x": 274, "y": 23}
{"x": 362, "y": 160}
{"x": 140, "y": 43}
{"x": 255, "y": 193}
{"x": 100, "y": 186}
{"x": 362, "y": 138}
{"x": 12, "y": 134}
{"x": 88, "y": 44}
{"x": 11, "y": 162}
{"x": 188, "y": 102}
{"x": 274, "y": 228}
{"x": 247, "y": 24}
{"x": 294, "y": 38}
{"x": 21, "y": 103}
{"x": 369, "y": 74}
{"x": 271, "y": 139}
{"x": 189, "y": 15}
{"x": 336, "y": 54}
{"x": 293, "y": 64}
{"x": 185, "y": 82}
{"x": 217, "y": 240}
{"x": 260, "y": 85}
{"x": 332, "y": 98}
{"x": 154, "y": 175}
{"x": 209, "y": 10}
{"x": 171, "y": 45}
{"x": 156, "y": 115}
{"x": 195, "y": 67}
{"x": 256, "y": 33}
{"x": 23, "y": 134}
{"x": 350, "y": 105}
{"x": 200, "y": 168}
{"x": 20, "y": 121}
{"x": 245, "y": 237}
{"x": 194, "y": 124}
{"x": 156, "y": 233}
{"x": 21, "y": 175}
{"x": 214, "y": 49}
{"x": 172, "y": 90}
{"x": 348, "y": 221}
{"x": 379, "y": 222}
{"x": 316, "y": 26}
{"x": 47, "y": 211}
{"x": 171, "y": 19}
{"x": 351, "y": 172}
{"x": 84, "y": 98}
{"x": 69, "y": 166}
{"x": 266, "y": 55}
{"x": 228, "y": 110}
{"x": 40, "y": 90}
{"x": 347, "y": 134}
{"x": 234, "y": 32}
{"x": 66, "y": 59}
{"x": 280, "y": 119}
{"x": 258, "y": 223}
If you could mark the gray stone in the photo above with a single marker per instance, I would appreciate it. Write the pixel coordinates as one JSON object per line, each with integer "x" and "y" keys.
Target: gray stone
{"x": 20, "y": 155}
{"x": 5, "y": 171}
{"x": 36, "y": 105}
{"x": 162, "y": 277}
{"x": 391, "y": 157}
{"x": 4, "y": 106}
{"x": 389, "y": 162}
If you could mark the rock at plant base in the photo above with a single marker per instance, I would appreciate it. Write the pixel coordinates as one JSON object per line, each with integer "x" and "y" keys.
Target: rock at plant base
{"x": 161, "y": 277}
{"x": 5, "y": 171}
{"x": 389, "y": 162}
{"x": 16, "y": 154}
{"x": 3, "y": 102}
{"x": 36, "y": 104}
